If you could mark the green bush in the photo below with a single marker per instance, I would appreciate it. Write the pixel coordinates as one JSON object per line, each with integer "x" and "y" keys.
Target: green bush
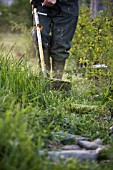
{"x": 93, "y": 40}
{"x": 92, "y": 44}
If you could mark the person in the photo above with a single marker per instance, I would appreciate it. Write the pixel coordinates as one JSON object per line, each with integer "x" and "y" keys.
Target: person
{"x": 58, "y": 30}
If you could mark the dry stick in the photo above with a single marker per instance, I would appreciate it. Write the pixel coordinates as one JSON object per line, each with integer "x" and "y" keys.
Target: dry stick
{"x": 40, "y": 42}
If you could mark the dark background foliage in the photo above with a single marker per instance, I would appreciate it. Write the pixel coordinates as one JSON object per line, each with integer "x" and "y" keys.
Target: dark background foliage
{"x": 19, "y": 11}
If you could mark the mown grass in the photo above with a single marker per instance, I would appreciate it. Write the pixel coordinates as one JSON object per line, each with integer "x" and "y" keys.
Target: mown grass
{"x": 30, "y": 113}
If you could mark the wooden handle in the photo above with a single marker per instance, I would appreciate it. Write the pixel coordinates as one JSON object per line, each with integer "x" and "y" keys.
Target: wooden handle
{"x": 41, "y": 53}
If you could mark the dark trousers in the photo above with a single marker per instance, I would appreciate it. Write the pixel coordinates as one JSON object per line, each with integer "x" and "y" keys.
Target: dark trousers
{"x": 58, "y": 31}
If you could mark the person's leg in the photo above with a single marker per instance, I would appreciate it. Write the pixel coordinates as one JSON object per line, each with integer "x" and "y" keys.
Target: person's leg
{"x": 63, "y": 30}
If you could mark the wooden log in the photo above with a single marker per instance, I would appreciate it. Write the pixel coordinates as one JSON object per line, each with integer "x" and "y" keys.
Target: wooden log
{"x": 98, "y": 141}
{"x": 103, "y": 152}
{"x": 88, "y": 145}
{"x": 71, "y": 147}
{"x": 62, "y": 135}
{"x": 64, "y": 155}
{"x": 67, "y": 139}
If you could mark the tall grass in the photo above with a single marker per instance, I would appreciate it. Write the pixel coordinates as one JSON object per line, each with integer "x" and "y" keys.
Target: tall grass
{"x": 29, "y": 113}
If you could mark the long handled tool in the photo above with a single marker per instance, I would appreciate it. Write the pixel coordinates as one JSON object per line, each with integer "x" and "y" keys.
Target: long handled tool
{"x": 41, "y": 53}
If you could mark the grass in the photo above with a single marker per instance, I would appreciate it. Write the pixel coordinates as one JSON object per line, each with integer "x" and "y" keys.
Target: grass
{"x": 16, "y": 40}
{"x": 29, "y": 113}
{"x": 20, "y": 45}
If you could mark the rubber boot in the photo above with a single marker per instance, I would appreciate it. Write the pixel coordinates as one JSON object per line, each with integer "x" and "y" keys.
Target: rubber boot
{"x": 57, "y": 68}
{"x": 47, "y": 61}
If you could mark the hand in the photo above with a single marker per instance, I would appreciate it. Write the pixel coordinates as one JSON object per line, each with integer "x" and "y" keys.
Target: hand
{"x": 49, "y": 3}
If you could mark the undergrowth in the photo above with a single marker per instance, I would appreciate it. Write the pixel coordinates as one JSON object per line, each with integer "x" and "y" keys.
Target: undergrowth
{"x": 30, "y": 113}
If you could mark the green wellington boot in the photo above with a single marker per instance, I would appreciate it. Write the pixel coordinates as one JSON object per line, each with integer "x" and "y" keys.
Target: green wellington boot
{"x": 57, "y": 68}
{"x": 47, "y": 60}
